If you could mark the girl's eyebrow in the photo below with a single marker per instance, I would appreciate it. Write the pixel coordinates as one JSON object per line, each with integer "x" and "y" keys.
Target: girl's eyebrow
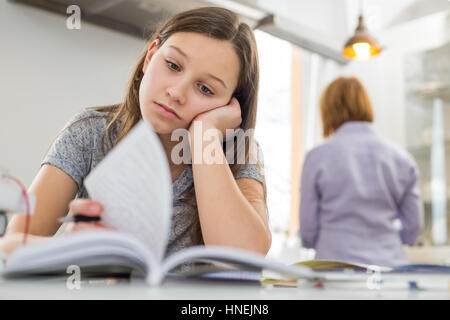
{"x": 187, "y": 58}
{"x": 218, "y": 80}
{"x": 180, "y": 51}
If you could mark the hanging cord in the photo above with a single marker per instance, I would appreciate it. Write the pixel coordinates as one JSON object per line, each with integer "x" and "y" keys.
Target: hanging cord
{"x": 27, "y": 204}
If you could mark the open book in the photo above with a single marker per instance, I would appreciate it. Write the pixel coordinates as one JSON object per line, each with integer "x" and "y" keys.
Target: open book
{"x": 110, "y": 252}
{"x": 133, "y": 184}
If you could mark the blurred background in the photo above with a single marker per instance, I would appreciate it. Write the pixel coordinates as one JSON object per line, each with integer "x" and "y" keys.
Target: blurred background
{"x": 51, "y": 68}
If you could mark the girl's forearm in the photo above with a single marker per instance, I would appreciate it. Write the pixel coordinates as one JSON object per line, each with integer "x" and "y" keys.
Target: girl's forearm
{"x": 227, "y": 218}
{"x": 14, "y": 240}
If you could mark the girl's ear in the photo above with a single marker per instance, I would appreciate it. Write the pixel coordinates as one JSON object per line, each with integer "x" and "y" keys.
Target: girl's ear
{"x": 150, "y": 52}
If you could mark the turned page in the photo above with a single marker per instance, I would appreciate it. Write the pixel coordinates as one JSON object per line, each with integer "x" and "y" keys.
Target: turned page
{"x": 133, "y": 184}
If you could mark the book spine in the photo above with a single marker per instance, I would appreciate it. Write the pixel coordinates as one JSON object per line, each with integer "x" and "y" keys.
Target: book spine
{"x": 154, "y": 277}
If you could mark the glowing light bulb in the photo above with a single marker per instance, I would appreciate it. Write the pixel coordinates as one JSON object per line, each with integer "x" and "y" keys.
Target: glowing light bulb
{"x": 362, "y": 50}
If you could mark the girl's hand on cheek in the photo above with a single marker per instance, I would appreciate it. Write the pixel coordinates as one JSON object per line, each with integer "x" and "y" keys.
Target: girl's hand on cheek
{"x": 220, "y": 118}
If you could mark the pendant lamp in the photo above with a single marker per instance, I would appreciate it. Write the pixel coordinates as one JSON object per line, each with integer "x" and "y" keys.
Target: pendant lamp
{"x": 362, "y": 46}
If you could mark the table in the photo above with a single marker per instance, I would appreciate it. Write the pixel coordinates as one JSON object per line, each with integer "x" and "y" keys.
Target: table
{"x": 194, "y": 289}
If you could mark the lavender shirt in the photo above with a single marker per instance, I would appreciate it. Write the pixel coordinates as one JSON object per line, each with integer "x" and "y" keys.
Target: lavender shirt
{"x": 354, "y": 185}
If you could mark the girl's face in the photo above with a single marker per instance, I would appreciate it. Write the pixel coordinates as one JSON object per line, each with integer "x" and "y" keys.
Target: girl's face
{"x": 188, "y": 75}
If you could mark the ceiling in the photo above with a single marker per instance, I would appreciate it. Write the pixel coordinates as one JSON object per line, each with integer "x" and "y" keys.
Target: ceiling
{"x": 321, "y": 26}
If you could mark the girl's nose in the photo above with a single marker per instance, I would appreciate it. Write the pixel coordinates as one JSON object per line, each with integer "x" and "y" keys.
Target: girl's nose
{"x": 177, "y": 92}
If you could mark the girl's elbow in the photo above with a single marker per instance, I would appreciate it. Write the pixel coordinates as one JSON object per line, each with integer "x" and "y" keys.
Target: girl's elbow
{"x": 267, "y": 243}
{"x": 263, "y": 246}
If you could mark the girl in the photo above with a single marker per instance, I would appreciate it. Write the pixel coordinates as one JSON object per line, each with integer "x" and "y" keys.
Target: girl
{"x": 201, "y": 65}
{"x": 356, "y": 184}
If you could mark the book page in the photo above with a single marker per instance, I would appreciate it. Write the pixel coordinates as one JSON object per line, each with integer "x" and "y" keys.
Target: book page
{"x": 241, "y": 259}
{"x": 87, "y": 248}
{"x": 133, "y": 184}
{"x": 336, "y": 265}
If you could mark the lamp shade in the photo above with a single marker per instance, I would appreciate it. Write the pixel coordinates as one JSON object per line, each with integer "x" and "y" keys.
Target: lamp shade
{"x": 362, "y": 45}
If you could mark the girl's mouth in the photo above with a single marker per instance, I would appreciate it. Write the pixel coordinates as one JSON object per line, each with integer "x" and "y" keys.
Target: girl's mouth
{"x": 167, "y": 111}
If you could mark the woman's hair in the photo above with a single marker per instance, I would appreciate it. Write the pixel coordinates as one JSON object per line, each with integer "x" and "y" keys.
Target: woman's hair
{"x": 345, "y": 99}
{"x": 217, "y": 23}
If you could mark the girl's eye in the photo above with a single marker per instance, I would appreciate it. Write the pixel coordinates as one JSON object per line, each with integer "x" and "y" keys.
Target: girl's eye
{"x": 172, "y": 65}
{"x": 204, "y": 89}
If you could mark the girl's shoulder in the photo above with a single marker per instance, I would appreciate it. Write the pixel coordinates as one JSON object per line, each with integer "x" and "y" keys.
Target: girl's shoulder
{"x": 78, "y": 146}
{"x": 88, "y": 123}
{"x": 88, "y": 117}
{"x": 83, "y": 132}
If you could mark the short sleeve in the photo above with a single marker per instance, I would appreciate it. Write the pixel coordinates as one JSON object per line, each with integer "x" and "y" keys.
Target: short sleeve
{"x": 72, "y": 149}
{"x": 254, "y": 167}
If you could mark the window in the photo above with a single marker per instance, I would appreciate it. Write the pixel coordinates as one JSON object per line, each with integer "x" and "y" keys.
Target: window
{"x": 288, "y": 122}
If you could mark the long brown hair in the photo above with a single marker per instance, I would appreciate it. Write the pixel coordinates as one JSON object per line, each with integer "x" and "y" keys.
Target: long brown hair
{"x": 345, "y": 99}
{"x": 214, "y": 22}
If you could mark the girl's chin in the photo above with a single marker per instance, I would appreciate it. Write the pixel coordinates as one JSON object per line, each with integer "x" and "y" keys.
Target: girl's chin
{"x": 161, "y": 127}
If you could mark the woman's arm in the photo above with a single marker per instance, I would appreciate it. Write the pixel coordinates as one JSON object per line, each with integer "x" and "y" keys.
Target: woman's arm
{"x": 309, "y": 206}
{"x": 232, "y": 212}
{"x": 411, "y": 210}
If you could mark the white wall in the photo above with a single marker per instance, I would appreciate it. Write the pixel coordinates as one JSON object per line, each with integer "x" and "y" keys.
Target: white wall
{"x": 48, "y": 73}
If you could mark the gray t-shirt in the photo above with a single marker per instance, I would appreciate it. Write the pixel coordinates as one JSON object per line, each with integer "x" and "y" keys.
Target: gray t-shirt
{"x": 78, "y": 149}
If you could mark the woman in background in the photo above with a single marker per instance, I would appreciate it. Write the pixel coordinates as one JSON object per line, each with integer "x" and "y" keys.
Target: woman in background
{"x": 355, "y": 185}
